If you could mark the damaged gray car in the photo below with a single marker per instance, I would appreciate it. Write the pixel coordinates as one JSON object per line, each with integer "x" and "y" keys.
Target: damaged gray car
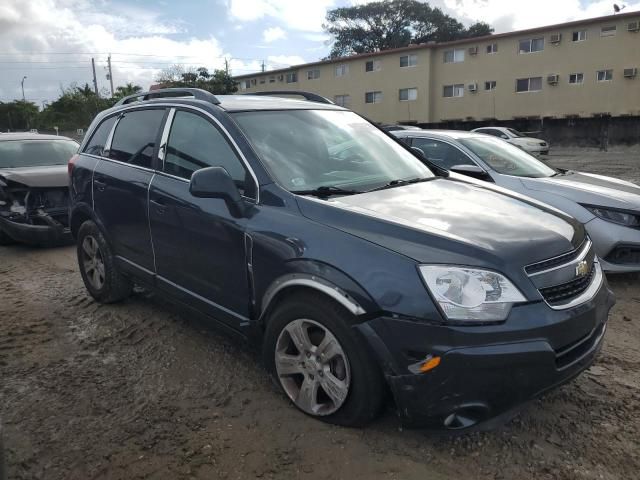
{"x": 34, "y": 191}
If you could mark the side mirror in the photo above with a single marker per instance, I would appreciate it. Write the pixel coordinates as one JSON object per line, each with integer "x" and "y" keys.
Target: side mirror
{"x": 506, "y": 137}
{"x": 419, "y": 153}
{"x": 471, "y": 171}
{"x": 215, "y": 182}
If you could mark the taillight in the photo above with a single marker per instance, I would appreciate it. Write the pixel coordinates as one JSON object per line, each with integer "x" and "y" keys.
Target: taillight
{"x": 71, "y": 164}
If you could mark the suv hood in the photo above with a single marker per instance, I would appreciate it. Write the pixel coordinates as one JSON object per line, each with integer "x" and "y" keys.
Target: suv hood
{"x": 589, "y": 189}
{"x": 48, "y": 176}
{"x": 474, "y": 224}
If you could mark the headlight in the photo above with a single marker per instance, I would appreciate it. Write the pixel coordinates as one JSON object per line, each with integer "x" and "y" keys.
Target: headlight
{"x": 616, "y": 216}
{"x": 469, "y": 294}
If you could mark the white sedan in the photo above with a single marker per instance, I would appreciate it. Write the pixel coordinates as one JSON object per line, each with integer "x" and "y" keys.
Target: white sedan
{"x": 528, "y": 144}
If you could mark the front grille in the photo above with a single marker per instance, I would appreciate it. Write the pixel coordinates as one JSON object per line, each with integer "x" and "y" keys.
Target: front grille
{"x": 561, "y": 294}
{"x": 555, "y": 261}
{"x": 624, "y": 255}
{"x": 574, "y": 351}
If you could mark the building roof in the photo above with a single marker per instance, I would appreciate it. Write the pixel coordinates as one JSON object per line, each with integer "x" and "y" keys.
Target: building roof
{"x": 421, "y": 46}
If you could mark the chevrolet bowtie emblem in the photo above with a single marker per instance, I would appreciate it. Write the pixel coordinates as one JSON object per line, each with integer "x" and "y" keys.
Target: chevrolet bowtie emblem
{"x": 582, "y": 269}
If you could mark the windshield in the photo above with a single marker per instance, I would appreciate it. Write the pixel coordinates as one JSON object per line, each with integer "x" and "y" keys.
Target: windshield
{"x": 309, "y": 149}
{"x": 507, "y": 159}
{"x": 515, "y": 133}
{"x": 36, "y": 153}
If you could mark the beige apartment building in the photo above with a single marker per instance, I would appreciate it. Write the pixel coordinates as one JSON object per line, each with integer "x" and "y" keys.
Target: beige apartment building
{"x": 586, "y": 68}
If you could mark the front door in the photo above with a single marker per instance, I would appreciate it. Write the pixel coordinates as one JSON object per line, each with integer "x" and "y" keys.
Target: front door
{"x": 199, "y": 245}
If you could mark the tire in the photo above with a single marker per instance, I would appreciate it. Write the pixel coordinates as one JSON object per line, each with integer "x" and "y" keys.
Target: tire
{"x": 6, "y": 239}
{"x": 103, "y": 282}
{"x": 295, "y": 371}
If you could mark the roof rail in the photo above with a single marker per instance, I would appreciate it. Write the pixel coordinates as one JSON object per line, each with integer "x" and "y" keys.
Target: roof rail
{"x": 196, "y": 93}
{"x": 312, "y": 97}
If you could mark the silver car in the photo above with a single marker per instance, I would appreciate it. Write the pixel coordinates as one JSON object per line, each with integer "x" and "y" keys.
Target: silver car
{"x": 529, "y": 144}
{"x": 609, "y": 208}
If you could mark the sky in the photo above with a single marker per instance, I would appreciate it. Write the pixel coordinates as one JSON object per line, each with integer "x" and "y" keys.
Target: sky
{"x": 51, "y": 42}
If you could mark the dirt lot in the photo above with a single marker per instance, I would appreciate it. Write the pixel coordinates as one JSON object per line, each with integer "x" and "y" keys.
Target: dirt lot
{"x": 138, "y": 390}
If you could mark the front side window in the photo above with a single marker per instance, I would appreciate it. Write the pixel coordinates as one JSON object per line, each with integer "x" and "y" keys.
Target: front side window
{"x": 342, "y": 100}
{"x": 608, "y": 31}
{"x": 531, "y": 45}
{"x": 456, "y": 90}
{"x": 292, "y": 77}
{"x": 408, "y": 61}
{"x": 441, "y": 153}
{"x": 533, "y": 84}
{"x": 195, "y": 143}
{"x": 579, "y": 36}
{"x": 408, "y": 94}
{"x": 307, "y": 149}
{"x": 605, "y": 75}
{"x": 373, "y": 97}
{"x": 454, "y": 56}
{"x": 507, "y": 159}
{"x": 35, "y": 153}
{"x": 134, "y": 139}
{"x": 490, "y": 85}
{"x": 313, "y": 74}
{"x": 576, "y": 78}
{"x": 95, "y": 146}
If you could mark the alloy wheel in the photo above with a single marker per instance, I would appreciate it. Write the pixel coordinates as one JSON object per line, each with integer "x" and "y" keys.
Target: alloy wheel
{"x": 93, "y": 262}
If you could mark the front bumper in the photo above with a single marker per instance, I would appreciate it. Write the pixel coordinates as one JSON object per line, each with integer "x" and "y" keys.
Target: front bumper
{"x": 607, "y": 237}
{"x": 35, "y": 234}
{"x": 486, "y": 371}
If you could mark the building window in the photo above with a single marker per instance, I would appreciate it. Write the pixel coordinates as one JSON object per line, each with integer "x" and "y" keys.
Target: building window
{"x": 608, "y": 31}
{"x": 272, "y": 79}
{"x": 342, "y": 70}
{"x": 492, "y": 48}
{"x": 247, "y": 84}
{"x": 373, "y": 97}
{"x": 342, "y": 100}
{"x": 372, "y": 66}
{"x": 408, "y": 61}
{"x": 580, "y": 36}
{"x": 262, "y": 80}
{"x": 605, "y": 75}
{"x": 454, "y": 56}
{"x": 456, "y": 90}
{"x": 292, "y": 77}
{"x": 531, "y": 45}
{"x": 533, "y": 84}
{"x": 576, "y": 78}
{"x": 313, "y": 74}
{"x": 408, "y": 94}
{"x": 490, "y": 85}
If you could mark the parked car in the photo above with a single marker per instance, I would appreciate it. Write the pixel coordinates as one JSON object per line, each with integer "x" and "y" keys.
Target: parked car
{"x": 609, "y": 208}
{"x": 347, "y": 271}
{"x": 520, "y": 140}
{"x": 34, "y": 188}
{"x": 393, "y": 128}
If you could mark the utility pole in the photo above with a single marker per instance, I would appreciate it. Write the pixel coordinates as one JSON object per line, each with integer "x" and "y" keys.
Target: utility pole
{"x": 110, "y": 73}
{"x": 263, "y": 67}
{"x": 226, "y": 66}
{"x": 95, "y": 80}
{"x": 22, "y": 83}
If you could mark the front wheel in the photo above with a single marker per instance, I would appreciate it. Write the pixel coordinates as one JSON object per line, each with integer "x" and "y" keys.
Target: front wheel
{"x": 324, "y": 369}
{"x": 6, "y": 239}
{"x": 97, "y": 266}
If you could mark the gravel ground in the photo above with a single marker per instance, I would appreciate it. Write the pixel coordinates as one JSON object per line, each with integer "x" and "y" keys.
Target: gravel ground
{"x": 139, "y": 390}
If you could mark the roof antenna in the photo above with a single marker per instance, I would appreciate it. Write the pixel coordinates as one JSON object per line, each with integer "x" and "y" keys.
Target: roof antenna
{"x": 617, "y": 8}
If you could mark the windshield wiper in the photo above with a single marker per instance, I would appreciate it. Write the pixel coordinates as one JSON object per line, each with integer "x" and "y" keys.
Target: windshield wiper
{"x": 400, "y": 182}
{"x": 326, "y": 191}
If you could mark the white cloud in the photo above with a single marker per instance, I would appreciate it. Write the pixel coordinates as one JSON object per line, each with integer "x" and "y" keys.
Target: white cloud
{"x": 273, "y": 34}
{"x": 296, "y": 14}
{"x": 282, "y": 61}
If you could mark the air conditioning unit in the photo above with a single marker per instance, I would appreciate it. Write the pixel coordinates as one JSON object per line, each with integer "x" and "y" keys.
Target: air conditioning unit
{"x": 553, "y": 79}
{"x": 473, "y": 50}
{"x": 630, "y": 72}
{"x": 473, "y": 87}
{"x": 556, "y": 38}
{"x": 633, "y": 26}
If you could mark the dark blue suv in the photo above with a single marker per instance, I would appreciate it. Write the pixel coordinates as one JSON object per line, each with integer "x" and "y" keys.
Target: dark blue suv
{"x": 335, "y": 249}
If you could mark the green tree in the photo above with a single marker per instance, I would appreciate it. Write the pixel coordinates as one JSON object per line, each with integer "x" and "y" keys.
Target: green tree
{"x": 18, "y": 115}
{"x": 219, "y": 82}
{"x": 76, "y": 108}
{"x": 382, "y": 25}
{"x": 126, "y": 90}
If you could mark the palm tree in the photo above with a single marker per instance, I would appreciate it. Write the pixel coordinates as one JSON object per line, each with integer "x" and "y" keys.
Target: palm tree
{"x": 126, "y": 90}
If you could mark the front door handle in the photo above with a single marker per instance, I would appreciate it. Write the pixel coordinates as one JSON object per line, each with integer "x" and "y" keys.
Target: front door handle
{"x": 100, "y": 184}
{"x": 160, "y": 206}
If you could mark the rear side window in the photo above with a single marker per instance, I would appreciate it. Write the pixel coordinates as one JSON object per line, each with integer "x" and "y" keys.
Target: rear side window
{"x": 99, "y": 137}
{"x": 440, "y": 153}
{"x": 134, "y": 140}
{"x": 195, "y": 143}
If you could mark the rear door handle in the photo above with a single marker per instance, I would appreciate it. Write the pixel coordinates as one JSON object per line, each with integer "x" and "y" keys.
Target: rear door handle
{"x": 159, "y": 205}
{"x": 100, "y": 184}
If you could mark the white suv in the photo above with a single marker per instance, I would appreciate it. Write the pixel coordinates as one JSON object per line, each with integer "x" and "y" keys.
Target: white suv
{"x": 528, "y": 144}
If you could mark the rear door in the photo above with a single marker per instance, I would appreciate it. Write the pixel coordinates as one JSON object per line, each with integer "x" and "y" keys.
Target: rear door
{"x": 120, "y": 187}
{"x": 199, "y": 246}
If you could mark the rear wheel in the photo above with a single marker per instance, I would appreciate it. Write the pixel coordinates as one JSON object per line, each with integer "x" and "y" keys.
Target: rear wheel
{"x": 324, "y": 369}
{"x": 97, "y": 266}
